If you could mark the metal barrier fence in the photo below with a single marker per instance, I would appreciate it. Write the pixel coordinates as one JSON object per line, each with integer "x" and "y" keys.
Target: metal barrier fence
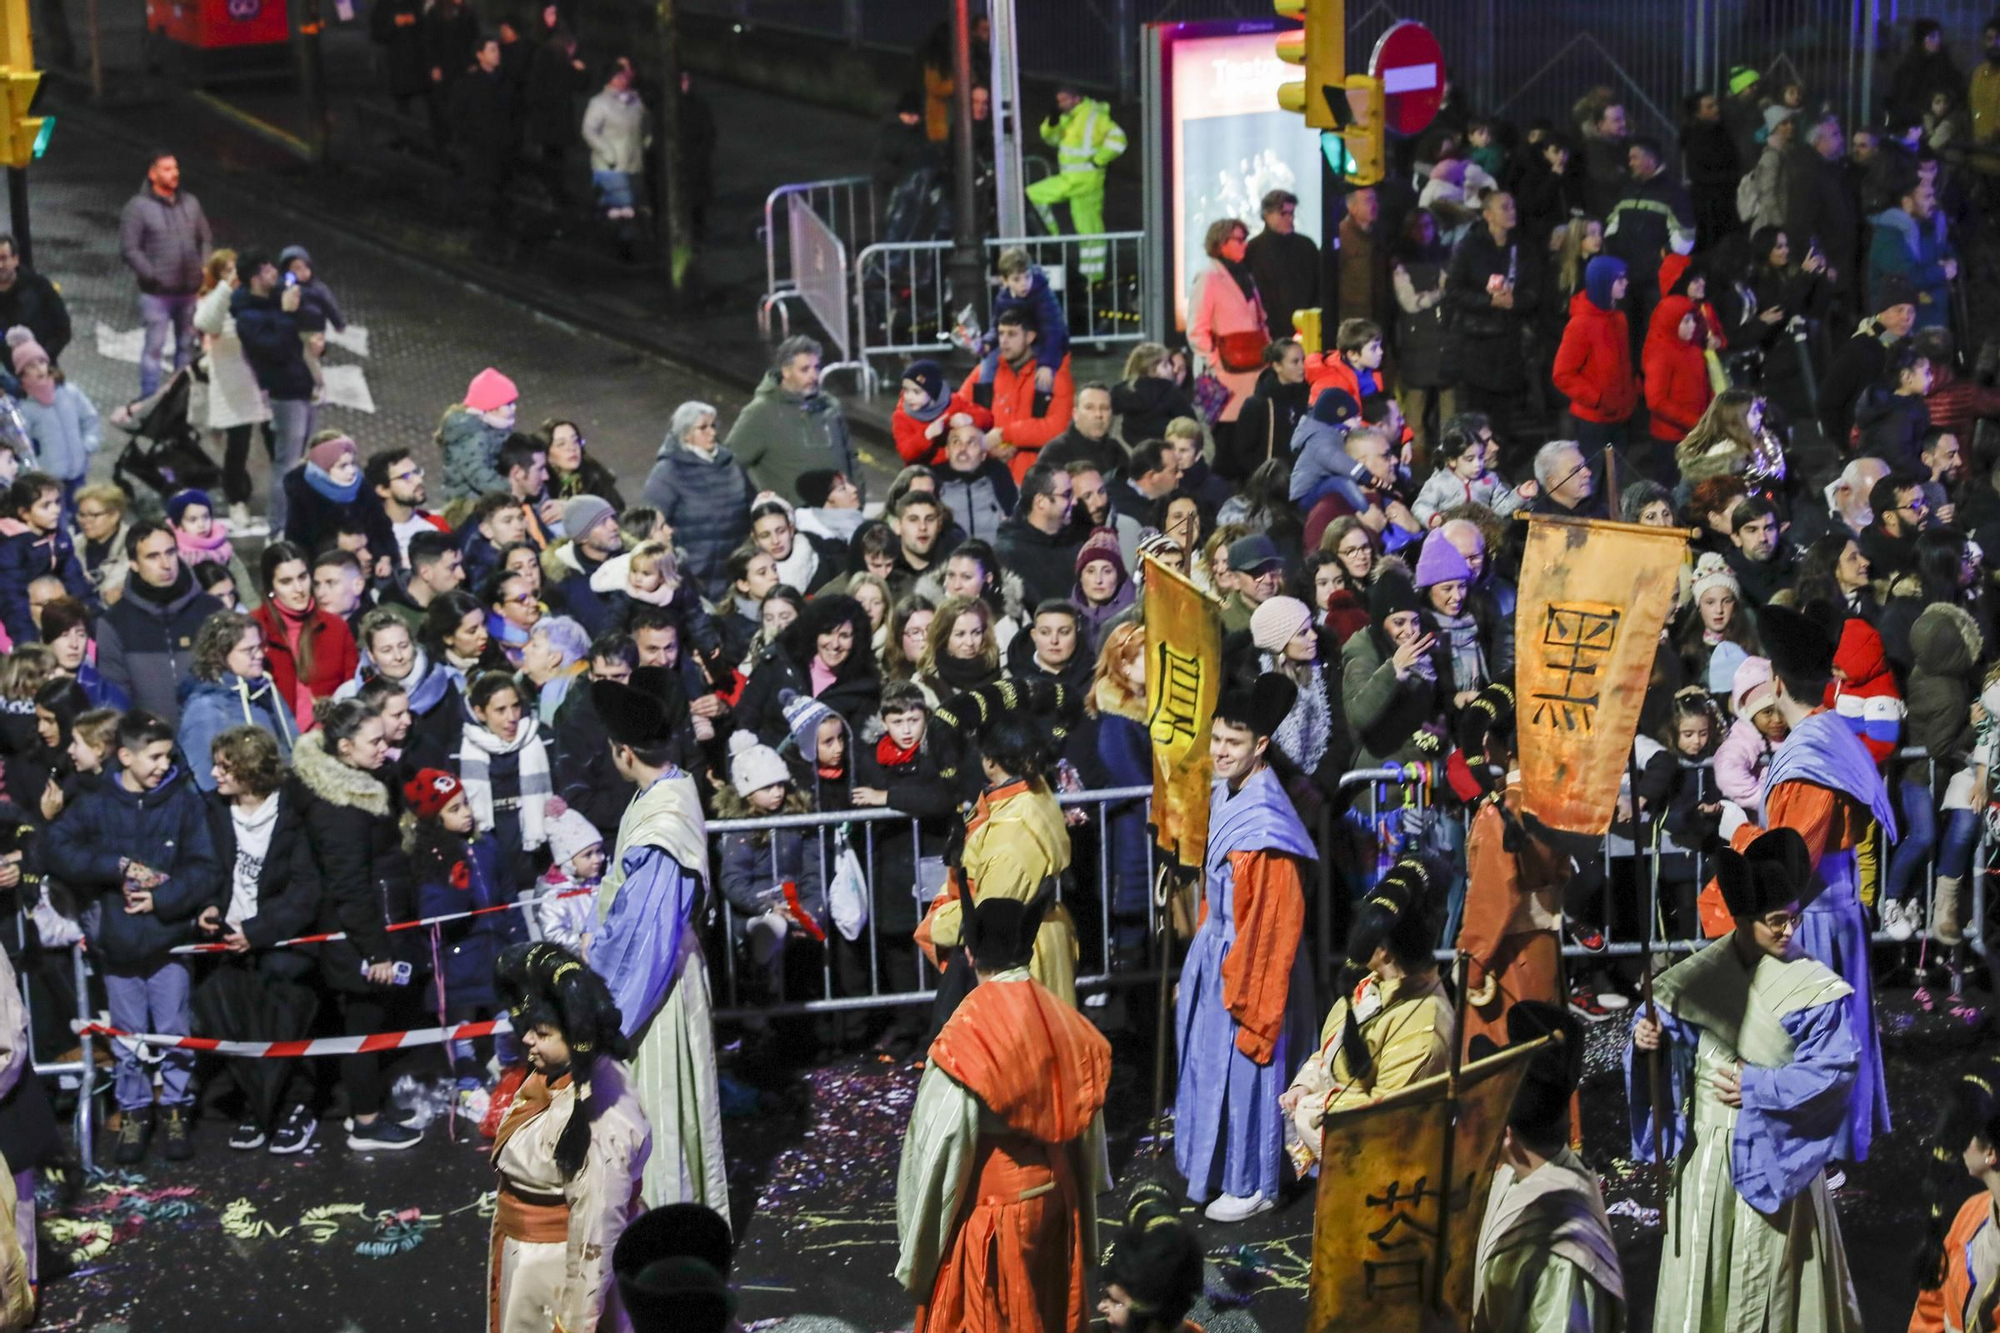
{"x": 845, "y": 206}
{"x": 904, "y": 305}
{"x": 84, "y": 1067}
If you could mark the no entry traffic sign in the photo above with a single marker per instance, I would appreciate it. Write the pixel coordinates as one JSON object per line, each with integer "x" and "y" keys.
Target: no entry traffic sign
{"x": 1410, "y": 64}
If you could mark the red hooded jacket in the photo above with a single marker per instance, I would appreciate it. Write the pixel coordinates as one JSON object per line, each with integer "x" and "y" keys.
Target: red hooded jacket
{"x": 917, "y": 447}
{"x": 1594, "y": 364}
{"x": 1677, "y": 389}
{"x": 1867, "y": 700}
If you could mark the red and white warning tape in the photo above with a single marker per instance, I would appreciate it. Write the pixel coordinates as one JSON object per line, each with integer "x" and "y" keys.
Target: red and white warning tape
{"x": 400, "y": 925}
{"x": 292, "y": 1050}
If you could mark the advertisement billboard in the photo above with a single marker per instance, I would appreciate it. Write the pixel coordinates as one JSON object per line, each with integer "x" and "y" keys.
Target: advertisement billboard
{"x": 1227, "y": 142}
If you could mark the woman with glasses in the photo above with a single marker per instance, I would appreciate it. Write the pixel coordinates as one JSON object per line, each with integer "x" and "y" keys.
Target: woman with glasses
{"x": 1755, "y": 1240}
{"x": 1340, "y": 584}
{"x": 572, "y": 471}
{"x": 231, "y": 688}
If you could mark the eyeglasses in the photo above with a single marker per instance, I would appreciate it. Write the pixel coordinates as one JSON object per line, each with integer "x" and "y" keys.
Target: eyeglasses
{"x": 523, "y": 599}
{"x": 93, "y": 513}
{"x": 1782, "y": 923}
{"x": 410, "y": 474}
{"x": 1363, "y": 549}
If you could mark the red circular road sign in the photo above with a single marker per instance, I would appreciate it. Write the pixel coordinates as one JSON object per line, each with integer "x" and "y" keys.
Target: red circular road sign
{"x": 1410, "y": 64}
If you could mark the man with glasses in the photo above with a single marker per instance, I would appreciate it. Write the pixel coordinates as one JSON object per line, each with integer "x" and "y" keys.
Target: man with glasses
{"x": 1770, "y": 1035}
{"x": 1901, "y": 512}
{"x": 1824, "y": 784}
{"x": 396, "y": 487}
{"x": 1283, "y": 264}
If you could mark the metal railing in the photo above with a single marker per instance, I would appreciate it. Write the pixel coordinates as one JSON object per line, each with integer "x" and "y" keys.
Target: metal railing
{"x": 1397, "y": 795}
{"x": 846, "y": 204}
{"x": 84, "y": 1067}
{"x": 904, "y": 305}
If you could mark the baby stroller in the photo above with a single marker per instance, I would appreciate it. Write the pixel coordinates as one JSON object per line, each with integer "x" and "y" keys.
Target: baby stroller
{"x": 165, "y": 449}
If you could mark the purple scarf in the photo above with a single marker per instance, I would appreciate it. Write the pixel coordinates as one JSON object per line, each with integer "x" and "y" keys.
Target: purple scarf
{"x": 1257, "y": 818}
{"x": 1821, "y": 750}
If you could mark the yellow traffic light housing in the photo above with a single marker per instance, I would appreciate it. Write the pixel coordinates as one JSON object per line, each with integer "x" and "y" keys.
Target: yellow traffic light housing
{"x": 1321, "y": 47}
{"x": 23, "y": 137}
{"x": 1364, "y": 131}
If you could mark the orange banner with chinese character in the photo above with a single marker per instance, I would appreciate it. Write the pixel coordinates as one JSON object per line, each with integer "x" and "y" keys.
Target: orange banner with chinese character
{"x": 1183, "y": 682}
{"x": 1594, "y": 597}
{"x": 1378, "y": 1260}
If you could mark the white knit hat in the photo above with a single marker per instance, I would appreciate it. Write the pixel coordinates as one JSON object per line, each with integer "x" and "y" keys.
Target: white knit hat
{"x": 1711, "y": 571}
{"x": 570, "y": 833}
{"x": 754, "y": 765}
{"x": 1277, "y": 621}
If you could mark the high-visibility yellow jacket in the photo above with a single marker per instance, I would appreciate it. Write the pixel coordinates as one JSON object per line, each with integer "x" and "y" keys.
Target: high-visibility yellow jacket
{"x": 1984, "y": 101}
{"x": 1085, "y": 138}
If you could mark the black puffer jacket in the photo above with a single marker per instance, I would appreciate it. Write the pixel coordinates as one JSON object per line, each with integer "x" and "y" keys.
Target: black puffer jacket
{"x": 786, "y": 665}
{"x": 287, "y": 879}
{"x": 351, "y": 835}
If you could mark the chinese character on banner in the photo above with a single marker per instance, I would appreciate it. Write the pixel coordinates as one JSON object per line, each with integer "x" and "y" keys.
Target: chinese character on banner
{"x": 1594, "y": 597}
{"x": 1385, "y": 1244}
{"x": 1183, "y": 681}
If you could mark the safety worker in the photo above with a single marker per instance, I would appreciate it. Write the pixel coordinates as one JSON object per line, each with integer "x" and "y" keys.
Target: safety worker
{"x": 1086, "y": 141}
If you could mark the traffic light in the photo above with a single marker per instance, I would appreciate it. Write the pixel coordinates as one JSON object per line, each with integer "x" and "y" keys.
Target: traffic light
{"x": 1363, "y": 131}
{"x": 1321, "y": 47}
{"x": 23, "y": 136}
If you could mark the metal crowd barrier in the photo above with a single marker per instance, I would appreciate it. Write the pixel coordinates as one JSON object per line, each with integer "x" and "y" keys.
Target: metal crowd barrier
{"x": 1405, "y": 781}
{"x": 918, "y": 986}
{"x": 84, "y": 1067}
{"x": 904, "y": 305}
{"x": 846, "y": 204}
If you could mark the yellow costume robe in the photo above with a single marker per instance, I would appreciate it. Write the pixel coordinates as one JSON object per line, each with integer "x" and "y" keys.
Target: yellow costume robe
{"x": 1015, "y": 839}
{"x": 1409, "y": 1028}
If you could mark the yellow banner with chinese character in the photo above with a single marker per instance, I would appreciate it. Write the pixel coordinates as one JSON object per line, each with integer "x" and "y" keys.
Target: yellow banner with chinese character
{"x": 1377, "y": 1258}
{"x": 1594, "y": 597}
{"x": 1183, "y": 681}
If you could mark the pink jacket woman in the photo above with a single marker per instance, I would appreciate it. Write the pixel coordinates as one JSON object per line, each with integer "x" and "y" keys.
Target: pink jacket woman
{"x": 1225, "y": 301}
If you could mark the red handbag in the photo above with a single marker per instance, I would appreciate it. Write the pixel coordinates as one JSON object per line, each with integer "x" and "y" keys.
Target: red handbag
{"x": 1242, "y": 352}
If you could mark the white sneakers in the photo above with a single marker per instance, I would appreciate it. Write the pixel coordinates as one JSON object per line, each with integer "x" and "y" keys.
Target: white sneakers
{"x": 1900, "y": 919}
{"x": 1236, "y": 1208}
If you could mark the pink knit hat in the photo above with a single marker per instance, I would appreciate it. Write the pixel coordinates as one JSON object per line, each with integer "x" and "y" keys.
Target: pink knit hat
{"x": 326, "y": 455}
{"x": 490, "y": 391}
{"x": 1277, "y": 621}
{"x": 28, "y": 353}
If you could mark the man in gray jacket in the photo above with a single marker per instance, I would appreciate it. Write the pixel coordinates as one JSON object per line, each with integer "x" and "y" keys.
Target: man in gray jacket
{"x": 790, "y": 426}
{"x": 145, "y": 640}
{"x": 165, "y": 240}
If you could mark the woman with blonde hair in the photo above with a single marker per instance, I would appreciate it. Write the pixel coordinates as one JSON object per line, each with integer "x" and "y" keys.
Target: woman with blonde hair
{"x": 235, "y": 403}
{"x": 1124, "y": 759}
{"x": 1730, "y": 438}
{"x": 1148, "y": 397}
{"x": 1211, "y": 572}
{"x": 960, "y": 653}
{"x": 909, "y": 629}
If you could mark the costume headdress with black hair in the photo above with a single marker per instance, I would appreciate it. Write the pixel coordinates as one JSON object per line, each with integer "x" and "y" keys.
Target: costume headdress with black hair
{"x": 636, "y": 715}
{"x": 960, "y": 721}
{"x": 1800, "y": 644}
{"x": 1971, "y": 1109}
{"x": 1541, "y": 1105}
{"x": 672, "y": 1267}
{"x": 1396, "y": 914}
{"x": 1771, "y": 873}
{"x": 1261, "y": 705}
{"x": 546, "y": 983}
{"x": 1156, "y": 1258}
{"x": 1000, "y": 932}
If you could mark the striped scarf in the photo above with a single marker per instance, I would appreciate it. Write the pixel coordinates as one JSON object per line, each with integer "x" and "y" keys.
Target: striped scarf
{"x": 475, "y": 771}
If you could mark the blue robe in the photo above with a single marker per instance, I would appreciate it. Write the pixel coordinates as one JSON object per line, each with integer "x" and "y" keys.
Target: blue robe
{"x": 1823, "y": 752}
{"x": 1228, "y": 1128}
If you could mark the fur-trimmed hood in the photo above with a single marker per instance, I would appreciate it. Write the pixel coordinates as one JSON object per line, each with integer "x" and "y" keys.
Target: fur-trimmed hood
{"x": 1107, "y": 700}
{"x": 334, "y": 782}
{"x": 1013, "y": 593}
{"x": 1946, "y": 640}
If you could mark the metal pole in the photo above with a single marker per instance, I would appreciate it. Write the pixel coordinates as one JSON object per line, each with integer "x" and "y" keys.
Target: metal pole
{"x": 967, "y": 265}
{"x": 1010, "y": 213}
{"x": 1872, "y": 23}
{"x": 312, "y": 76}
{"x": 96, "y": 54}
{"x": 676, "y": 230}
{"x": 1125, "y": 34}
{"x": 17, "y": 209}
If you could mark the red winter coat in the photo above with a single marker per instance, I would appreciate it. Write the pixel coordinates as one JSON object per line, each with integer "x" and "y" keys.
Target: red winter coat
{"x": 1594, "y": 363}
{"x": 1677, "y": 388}
{"x": 917, "y": 447}
{"x": 1868, "y": 700}
{"x": 329, "y": 643}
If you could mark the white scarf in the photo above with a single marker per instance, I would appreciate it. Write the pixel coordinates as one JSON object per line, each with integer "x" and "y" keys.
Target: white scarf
{"x": 475, "y": 773}
{"x": 797, "y": 569}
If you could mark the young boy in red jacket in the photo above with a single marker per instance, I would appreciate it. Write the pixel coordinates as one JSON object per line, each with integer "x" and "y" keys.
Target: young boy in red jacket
{"x": 1594, "y": 363}
{"x": 922, "y": 421}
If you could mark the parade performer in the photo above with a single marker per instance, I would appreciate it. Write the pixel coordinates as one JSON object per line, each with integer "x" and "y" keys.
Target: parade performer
{"x": 1762, "y": 1054}
{"x": 1015, "y": 837}
{"x": 1153, "y": 1270}
{"x": 1394, "y": 1025}
{"x": 1244, "y": 1015}
{"x": 1547, "y": 1261}
{"x": 1824, "y": 784}
{"x": 1958, "y": 1269}
{"x": 1512, "y": 932}
{"x": 569, "y": 1153}
{"x": 996, "y": 1201}
{"x": 646, "y": 946}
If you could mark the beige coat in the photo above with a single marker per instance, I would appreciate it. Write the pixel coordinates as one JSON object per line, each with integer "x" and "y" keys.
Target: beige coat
{"x": 233, "y": 396}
